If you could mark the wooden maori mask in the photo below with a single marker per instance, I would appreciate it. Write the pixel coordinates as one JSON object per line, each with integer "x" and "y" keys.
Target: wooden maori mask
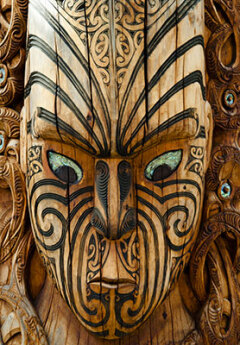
{"x": 115, "y": 143}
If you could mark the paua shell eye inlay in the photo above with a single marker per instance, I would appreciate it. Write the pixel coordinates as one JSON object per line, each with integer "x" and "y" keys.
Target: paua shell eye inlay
{"x": 226, "y": 190}
{"x": 2, "y": 141}
{"x": 229, "y": 98}
{"x": 65, "y": 168}
{"x": 2, "y": 75}
{"x": 163, "y": 166}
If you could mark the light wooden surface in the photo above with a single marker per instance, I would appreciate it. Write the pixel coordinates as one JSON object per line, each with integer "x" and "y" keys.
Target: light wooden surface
{"x": 115, "y": 141}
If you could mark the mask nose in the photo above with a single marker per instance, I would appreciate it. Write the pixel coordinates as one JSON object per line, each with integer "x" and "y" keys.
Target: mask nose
{"x": 114, "y": 213}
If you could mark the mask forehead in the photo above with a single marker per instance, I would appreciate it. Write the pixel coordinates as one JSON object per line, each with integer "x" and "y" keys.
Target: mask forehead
{"x": 115, "y": 75}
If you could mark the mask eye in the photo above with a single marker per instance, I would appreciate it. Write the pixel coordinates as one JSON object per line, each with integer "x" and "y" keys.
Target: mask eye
{"x": 64, "y": 168}
{"x": 163, "y": 166}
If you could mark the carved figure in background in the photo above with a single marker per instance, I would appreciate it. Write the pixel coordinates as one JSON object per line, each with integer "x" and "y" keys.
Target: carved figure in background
{"x": 214, "y": 268}
{"x": 116, "y": 149}
{"x": 18, "y": 319}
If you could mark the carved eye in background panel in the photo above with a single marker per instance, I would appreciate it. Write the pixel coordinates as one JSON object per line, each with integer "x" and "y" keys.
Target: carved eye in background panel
{"x": 64, "y": 168}
{"x": 163, "y": 166}
{"x": 229, "y": 98}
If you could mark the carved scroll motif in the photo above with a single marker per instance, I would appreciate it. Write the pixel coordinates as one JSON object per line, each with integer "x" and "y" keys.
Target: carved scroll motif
{"x": 12, "y": 58}
{"x": 222, "y": 52}
{"x": 11, "y": 178}
{"x": 23, "y": 318}
{"x": 214, "y": 267}
{"x": 19, "y": 322}
{"x": 12, "y": 51}
{"x": 130, "y": 21}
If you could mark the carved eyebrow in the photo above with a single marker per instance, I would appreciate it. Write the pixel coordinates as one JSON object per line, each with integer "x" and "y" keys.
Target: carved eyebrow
{"x": 66, "y": 128}
{"x": 185, "y": 114}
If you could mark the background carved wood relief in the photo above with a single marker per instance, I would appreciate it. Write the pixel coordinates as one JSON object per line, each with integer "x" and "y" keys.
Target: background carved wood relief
{"x": 110, "y": 163}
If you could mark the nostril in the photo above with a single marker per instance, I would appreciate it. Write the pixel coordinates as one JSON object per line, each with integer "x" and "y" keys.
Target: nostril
{"x": 98, "y": 222}
{"x": 129, "y": 222}
{"x": 124, "y": 179}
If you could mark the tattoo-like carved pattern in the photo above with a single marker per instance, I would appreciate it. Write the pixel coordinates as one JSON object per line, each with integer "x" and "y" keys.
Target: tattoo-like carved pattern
{"x": 34, "y": 161}
{"x": 196, "y": 158}
{"x": 114, "y": 211}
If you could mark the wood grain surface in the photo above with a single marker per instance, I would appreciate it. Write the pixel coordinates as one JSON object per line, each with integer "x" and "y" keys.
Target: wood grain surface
{"x": 123, "y": 236}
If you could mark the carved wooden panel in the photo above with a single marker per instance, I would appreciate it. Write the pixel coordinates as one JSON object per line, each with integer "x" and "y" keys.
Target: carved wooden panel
{"x": 214, "y": 268}
{"x": 115, "y": 142}
{"x": 19, "y": 323}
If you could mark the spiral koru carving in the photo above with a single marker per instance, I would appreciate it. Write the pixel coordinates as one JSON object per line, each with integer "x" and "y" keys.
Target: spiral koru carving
{"x": 26, "y": 322}
{"x": 92, "y": 20}
{"x": 12, "y": 52}
{"x": 12, "y": 183}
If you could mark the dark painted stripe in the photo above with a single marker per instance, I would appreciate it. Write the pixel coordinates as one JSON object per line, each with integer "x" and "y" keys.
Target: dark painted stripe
{"x": 155, "y": 210}
{"x": 88, "y": 189}
{"x": 167, "y": 197}
{"x": 46, "y": 182}
{"x": 79, "y": 206}
{"x": 175, "y": 182}
{"x": 58, "y": 184}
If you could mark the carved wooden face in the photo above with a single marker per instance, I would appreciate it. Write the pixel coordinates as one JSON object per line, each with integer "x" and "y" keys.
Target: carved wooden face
{"x": 116, "y": 132}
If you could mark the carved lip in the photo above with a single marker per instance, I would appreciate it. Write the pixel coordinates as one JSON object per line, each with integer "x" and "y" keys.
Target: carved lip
{"x": 107, "y": 283}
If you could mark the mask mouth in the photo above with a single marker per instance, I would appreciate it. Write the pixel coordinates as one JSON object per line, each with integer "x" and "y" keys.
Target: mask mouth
{"x": 99, "y": 285}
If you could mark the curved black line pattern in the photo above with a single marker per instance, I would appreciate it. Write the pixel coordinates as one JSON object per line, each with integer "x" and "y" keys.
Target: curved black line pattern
{"x": 179, "y": 182}
{"x": 98, "y": 222}
{"x": 43, "y": 235}
{"x": 129, "y": 222}
{"x": 62, "y": 125}
{"x": 104, "y": 298}
{"x": 177, "y": 16}
{"x": 172, "y": 210}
